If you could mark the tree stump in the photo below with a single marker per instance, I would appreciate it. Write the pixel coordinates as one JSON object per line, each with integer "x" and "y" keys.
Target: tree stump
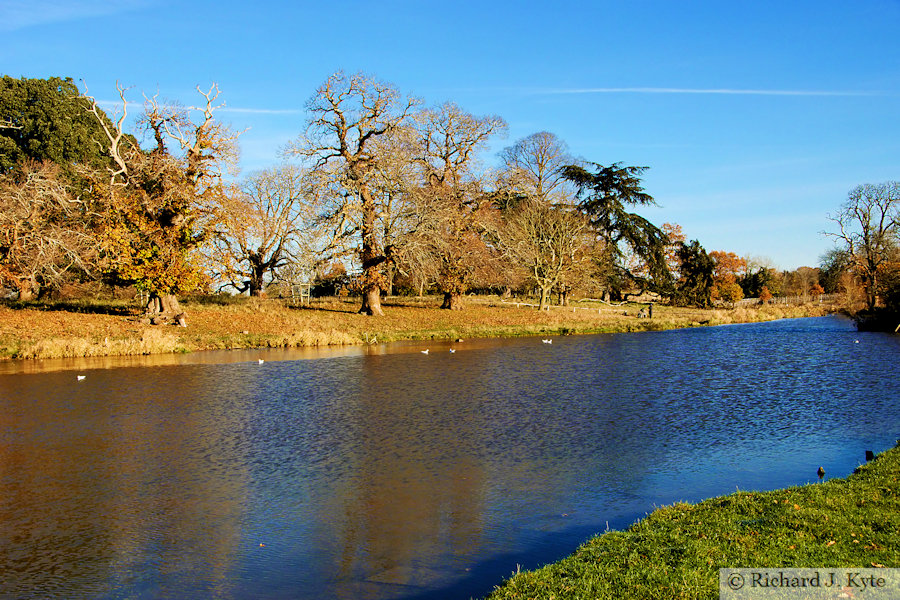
{"x": 452, "y": 301}
{"x": 164, "y": 309}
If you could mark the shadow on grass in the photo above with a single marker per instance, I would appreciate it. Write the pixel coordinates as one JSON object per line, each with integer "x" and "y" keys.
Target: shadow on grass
{"x": 350, "y": 305}
{"x": 75, "y": 306}
{"x": 349, "y": 310}
{"x": 353, "y": 307}
{"x": 410, "y": 305}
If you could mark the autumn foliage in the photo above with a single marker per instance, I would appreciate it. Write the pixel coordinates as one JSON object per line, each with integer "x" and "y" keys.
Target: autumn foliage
{"x": 392, "y": 193}
{"x": 728, "y": 268}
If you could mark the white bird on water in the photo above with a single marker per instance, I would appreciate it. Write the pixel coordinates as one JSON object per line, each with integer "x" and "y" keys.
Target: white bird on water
{"x": 261, "y": 361}
{"x": 425, "y": 351}
{"x": 547, "y": 341}
{"x": 452, "y": 350}
{"x": 80, "y": 377}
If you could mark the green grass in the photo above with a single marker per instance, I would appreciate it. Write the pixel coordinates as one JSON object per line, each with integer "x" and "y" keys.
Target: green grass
{"x": 676, "y": 551}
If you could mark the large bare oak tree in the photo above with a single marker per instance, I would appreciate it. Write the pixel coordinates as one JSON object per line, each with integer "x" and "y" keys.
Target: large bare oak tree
{"x": 868, "y": 225}
{"x": 348, "y": 115}
{"x": 262, "y": 228}
{"x": 448, "y": 142}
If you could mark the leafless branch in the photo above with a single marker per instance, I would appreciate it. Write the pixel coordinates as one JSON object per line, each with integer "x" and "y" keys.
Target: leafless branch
{"x": 114, "y": 135}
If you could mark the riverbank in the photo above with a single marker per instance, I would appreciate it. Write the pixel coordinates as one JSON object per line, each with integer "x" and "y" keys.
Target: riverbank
{"x": 80, "y": 329}
{"x": 677, "y": 550}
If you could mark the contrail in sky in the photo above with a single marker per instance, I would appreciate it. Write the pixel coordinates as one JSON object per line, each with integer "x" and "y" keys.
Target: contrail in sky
{"x": 711, "y": 91}
{"x": 263, "y": 111}
{"x": 114, "y": 104}
{"x": 19, "y": 14}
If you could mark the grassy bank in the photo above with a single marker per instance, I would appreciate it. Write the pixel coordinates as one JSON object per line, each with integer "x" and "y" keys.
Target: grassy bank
{"x": 77, "y": 329}
{"x": 677, "y": 550}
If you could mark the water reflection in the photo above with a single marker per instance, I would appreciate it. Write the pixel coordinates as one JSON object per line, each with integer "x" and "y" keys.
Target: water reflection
{"x": 210, "y": 357}
{"x": 387, "y": 473}
{"x": 101, "y": 477}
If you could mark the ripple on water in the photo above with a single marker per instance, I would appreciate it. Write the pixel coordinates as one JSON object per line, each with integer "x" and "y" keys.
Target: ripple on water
{"x": 392, "y": 474}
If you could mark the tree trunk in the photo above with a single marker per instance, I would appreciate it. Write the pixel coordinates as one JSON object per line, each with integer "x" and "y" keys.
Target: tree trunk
{"x": 255, "y": 285}
{"x": 872, "y": 293}
{"x": 257, "y": 272}
{"x": 389, "y": 276}
{"x": 370, "y": 256}
{"x": 372, "y": 302}
{"x": 545, "y": 298}
{"x": 452, "y": 301}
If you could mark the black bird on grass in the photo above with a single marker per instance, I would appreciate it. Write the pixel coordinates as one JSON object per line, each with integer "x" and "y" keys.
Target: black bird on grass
{"x": 821, "y": 472}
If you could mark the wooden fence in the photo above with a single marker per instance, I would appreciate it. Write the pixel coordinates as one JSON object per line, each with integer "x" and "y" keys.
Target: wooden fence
{"x": 645, "y": 311}
{"x": 792, "y": 300}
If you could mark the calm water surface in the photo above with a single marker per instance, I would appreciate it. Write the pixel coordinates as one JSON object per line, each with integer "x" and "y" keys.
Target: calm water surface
{"x": 387, "y": 473}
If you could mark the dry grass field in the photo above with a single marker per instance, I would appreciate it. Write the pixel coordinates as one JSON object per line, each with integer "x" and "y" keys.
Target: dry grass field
{"x": 73, "y": 329}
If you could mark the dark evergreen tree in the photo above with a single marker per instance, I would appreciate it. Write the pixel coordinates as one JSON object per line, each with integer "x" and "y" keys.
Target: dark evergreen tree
{"x": 605, "y": 195}
{"x": 47, "y": 120}
{"x": 694, "y": 288}
{"x": 833, "y": 265}
{"x": 753, "y": 282}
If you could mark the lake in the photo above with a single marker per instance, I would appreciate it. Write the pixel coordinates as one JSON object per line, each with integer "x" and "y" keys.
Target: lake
{"x": 383, "y": 472}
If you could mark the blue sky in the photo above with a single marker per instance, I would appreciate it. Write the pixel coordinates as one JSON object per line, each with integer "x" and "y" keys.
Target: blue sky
{"x": 755, "y": 118}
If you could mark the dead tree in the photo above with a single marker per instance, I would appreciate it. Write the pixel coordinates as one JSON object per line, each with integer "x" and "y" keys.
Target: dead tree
{"x": 161, "y": 203}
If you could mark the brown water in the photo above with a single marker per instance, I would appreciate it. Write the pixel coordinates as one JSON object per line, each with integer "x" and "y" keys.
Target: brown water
{"x": 387, "y": 473}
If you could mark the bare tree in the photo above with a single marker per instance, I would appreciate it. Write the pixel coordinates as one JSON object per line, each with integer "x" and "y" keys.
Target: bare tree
{"x": 45, "y": 232}
{"x": 348, "y": 115}
{"x": 534, "y": 167}
{"x": 401, "y": 214}
{"x": 799, "y": 282}
{"x": 263, "y": 227}
{"x": 448, "y": 142}
{"x": 868, "y": 224}
{"x": 207, "y": 148}
{"x": 551, "y": 242}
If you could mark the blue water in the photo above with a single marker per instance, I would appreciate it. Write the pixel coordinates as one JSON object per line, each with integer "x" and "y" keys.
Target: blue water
{"x": 388, "y": 473}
